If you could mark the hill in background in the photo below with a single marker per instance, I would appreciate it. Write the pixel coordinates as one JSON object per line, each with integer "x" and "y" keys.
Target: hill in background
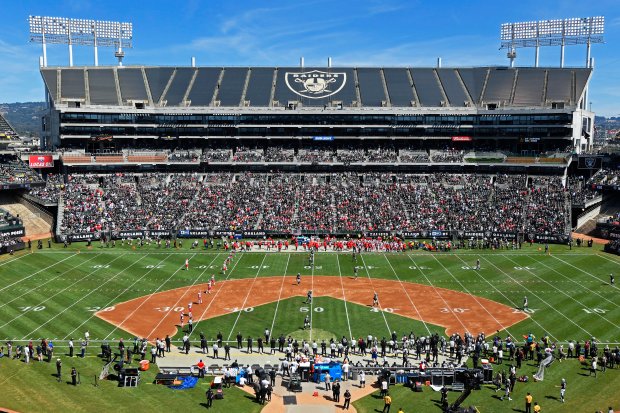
{"x": 24, "y": 117}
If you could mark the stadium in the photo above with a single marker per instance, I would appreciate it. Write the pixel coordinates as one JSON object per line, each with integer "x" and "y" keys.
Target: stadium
{"x": 264, "y": 226}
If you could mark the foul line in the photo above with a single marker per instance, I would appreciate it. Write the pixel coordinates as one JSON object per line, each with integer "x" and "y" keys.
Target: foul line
{"x": 144, "y": 301}
{"x": 447, "y": 306}
{"x": 408, "y": 296}
{"x": 246, "y": 297}
{"x": 375, "y": 291}
{"x": 273, "y": 323}
{"x": 344, "y": 298}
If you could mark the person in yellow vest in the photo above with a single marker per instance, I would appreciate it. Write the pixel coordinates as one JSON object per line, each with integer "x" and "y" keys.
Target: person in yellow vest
{"x": 388, "y": 402}
{"x": 536, "y": 407}
{"x": 528, "y": 403}
{"x": 400, "y": 410}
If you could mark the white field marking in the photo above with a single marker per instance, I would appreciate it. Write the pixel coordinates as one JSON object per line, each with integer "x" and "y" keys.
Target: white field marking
{"x": 30, "y": 290}
{"x": 375, "y": 291}
{"x": 530, "y": 292}
{"x": 606, "y": 319}
{"x": 15, "y": 259}
{"x": 246, "y": 297}
{"x": 217, "y": 292}
{"x": 275, "y": 313}
{"x": 467, "y": 291}
{"x": 112, "y": 301}
{"x": 407, "y": 293}
{"x": 184, "y": 294}
{"x": 514, "y": 304}
{"x": 90, "y": 291}
{"x": 580, "y": 286}
{"x": 144, "y": 301}
{"x": 52, "y": 296}
{"x": 585, "y": 272}
{"x": 611, "y": 258}
{"x": 437, "y": 292}
{"x": 312, "y": 299}
{"x": 344, "y": 298}
{"x": 33, "y": 274}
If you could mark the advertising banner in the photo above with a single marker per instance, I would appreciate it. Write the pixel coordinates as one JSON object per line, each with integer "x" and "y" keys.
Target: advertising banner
{"x": 41, "y": 161}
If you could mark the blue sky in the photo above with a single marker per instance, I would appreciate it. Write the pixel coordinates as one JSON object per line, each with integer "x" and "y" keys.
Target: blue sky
{"x": 277, "y": 33}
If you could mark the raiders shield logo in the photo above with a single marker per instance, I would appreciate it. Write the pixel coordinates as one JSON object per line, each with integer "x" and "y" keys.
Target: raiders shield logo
{"x": 315, "y": 84}
{"x": 590, "y": 162}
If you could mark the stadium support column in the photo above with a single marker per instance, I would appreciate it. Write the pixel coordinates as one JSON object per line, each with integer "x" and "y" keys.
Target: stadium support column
{"x": 536, "y": 53}
{"x": 70, "y": 49}
{"x": 44, "y": 43}
{"x": 95, "y": 47}
{"x": 562, "y": 53}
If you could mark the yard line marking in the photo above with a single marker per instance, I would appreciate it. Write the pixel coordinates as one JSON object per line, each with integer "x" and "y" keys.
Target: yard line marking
{"x": 217, "y": 292}
{"x": 185, "y": 293}
{"x": 506, "y": 297}
{"x": 608, "y": 258}
{"x": 578, "y": 284}
{"x": 112, "y": 301}
{"x": 585, "y": 272}
{"x": 570, "y": 296}
{"x": 407, "y": 293}
{"x": 275, "y": 313}
{"x": 32, "y": 275}
{"x": 29, "y": 290}
{"x": 344, "y": 298}
{"x": 143, "y": 302}
{"x": 375, "y": 291}
{"x": 15, "y": 259}
{"x": 466, "y": 290}
{"x": 437, "y": 292}
{"x": 530, "y": 292}
{"x": 246, "y": 297}
{"x": 48, "y": 320}
{"x": 52, "y": 296}
{"x": 311, "y": 299}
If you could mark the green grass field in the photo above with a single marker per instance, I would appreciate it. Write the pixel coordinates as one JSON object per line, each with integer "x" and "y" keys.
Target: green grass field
{"x": 54, "y": 293}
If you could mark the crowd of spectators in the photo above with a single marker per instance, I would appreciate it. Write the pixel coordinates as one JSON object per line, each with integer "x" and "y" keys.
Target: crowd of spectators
{"x": 322, "y": 202}
{"x": 581, "y": 192}
{"x": 605, "y": 177}
{"x": 14, "y": 171}
{"x": 447, "y": 156}
{"x": 245, "y": 154}
{"x": 350, "y": 155}
{"x": 49, "y": 193}
{"x": 184, "y": 156}
{"x": 279, "y": 154}
{"x": 315, "y": 155}
{"x": 216, "y": 155}
{"x": 408, "y": 156}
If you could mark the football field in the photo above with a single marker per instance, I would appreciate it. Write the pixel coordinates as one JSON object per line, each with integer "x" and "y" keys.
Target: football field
{"x": 124, "y": 292}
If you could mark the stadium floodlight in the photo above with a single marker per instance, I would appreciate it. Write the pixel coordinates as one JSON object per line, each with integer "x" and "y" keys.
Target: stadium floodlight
{"x": 83, "y": 32}
{"x": 558, "y": 32}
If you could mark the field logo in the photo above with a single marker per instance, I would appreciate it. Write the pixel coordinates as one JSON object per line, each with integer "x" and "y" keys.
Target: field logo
{"x": 315, "y": 84}
{"x": 590, "y": 162}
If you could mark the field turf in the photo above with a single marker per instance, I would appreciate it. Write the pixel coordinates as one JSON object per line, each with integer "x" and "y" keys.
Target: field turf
{"x": 54, "y": 293}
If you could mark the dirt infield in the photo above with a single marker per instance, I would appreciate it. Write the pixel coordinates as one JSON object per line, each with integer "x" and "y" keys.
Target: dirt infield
{"x": 454, "y": 310}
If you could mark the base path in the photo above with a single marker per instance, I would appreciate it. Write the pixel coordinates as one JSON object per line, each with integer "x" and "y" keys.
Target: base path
{"x": 157, "y": 315}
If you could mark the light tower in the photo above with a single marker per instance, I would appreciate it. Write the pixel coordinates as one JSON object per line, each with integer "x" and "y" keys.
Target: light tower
{"x": 559, "y": 32}
{"x": 82, "y": 32}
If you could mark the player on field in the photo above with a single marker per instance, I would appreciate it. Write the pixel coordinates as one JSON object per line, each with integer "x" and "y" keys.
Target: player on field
{"x": 209, "y": 287}
{"x": 375, "y": 299}
{"x": 309, "y": 297}
{"x": 612, "y": 280}
{"x": 355, "y": 270}
{"x": 298, "y": 278}
{"x": 213, "y": 279}
{"x": 186, "y": 264}
{"x": 224, "y": 268}
{"x": 478, "y": 264}
{"x": 199, "y": 297}
{"x": 181, "y": 319}
{"x": 525, "y": 303}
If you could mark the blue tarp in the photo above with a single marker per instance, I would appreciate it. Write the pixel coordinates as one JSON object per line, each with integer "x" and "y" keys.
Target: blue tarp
{"x": 188, "y": 382}
{"x": 334, "y": 368}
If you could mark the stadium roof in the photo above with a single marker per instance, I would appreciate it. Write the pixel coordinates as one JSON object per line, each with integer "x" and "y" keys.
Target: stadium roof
{"x": 316, "y": 87}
